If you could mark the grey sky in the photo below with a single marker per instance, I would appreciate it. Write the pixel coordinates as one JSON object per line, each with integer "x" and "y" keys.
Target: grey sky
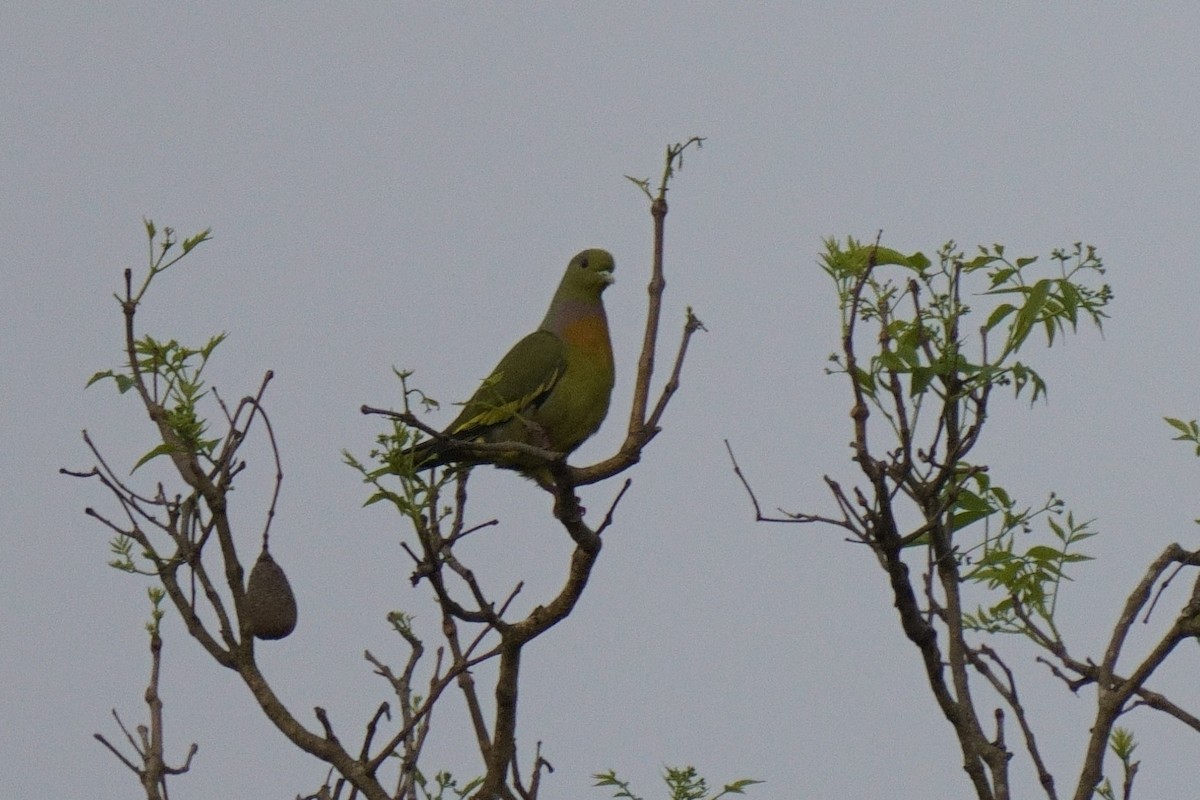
{"x": 395, "y": 184}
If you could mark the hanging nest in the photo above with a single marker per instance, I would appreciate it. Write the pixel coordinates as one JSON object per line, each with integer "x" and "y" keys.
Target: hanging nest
{"x": 270, "y": 606}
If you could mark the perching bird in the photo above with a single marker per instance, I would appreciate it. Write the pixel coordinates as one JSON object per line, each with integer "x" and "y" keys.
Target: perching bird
{"x": 552, "y": 388}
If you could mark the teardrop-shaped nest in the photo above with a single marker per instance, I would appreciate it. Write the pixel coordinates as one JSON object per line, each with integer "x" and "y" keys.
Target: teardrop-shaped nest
{"x": 270, "y": 605}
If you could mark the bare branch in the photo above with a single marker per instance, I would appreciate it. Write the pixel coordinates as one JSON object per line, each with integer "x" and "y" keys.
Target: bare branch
{"x": 463, "y": 448}
{"x": 153, "y": 772}
{"x": 790, "y": 518}
{"x": 608, "y": 516}
{"x": 1136, "y": 600}
{"x": 692, "y": 325}
{"x": 1007, "y": 689}
{"x": 1159, "y": 702}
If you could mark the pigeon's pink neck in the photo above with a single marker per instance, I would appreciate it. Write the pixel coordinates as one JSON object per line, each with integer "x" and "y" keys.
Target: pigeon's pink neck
{"x": 565, "y": 310}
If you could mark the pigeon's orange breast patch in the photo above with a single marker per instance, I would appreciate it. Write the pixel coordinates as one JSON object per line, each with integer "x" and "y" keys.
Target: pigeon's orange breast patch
{"x": 589, "y": 335}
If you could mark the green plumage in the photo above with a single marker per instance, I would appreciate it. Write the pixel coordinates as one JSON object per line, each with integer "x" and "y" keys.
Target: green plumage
{"x": 521, "y": 381}
{"x": 552, "y": 389}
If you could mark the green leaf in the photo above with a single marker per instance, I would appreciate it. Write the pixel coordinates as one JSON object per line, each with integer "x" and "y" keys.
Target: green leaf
{"x": 1068, "y": 294}
{"x": 865, "y": 380}
{"x": 1178, "y": 424}
{"x": 383, "y": 494}
{"x": 108, "y": 373}
{"x": 921, "y": 378}
{"x": 980, "y": 261}
{"x": 890, "y": 361}
{"x": 212, "y": 344}
{"x": 1043, "y": 552}
{"x": 202, "y": 236}
{"x": 1189, "y": 431}
{"x": 737, "y": 786}
{"x": 162, "y": 450}
{"x": 920, "y": 262}
{"x": 610, "y": 779}
{"x": 966, "y": 518}
{"x": 1028, "y": 314}
{"x": 1002, "y": 275}
{"x": 999, "y": 315}
{"x": 1122, "y": 743}
{"x": 886, "y": 255}
{"x": 1051, "y": 325}
{"x": 124, "y": 382}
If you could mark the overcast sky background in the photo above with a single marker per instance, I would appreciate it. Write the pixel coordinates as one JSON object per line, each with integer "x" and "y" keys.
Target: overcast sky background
{"x": 395, "y": 184}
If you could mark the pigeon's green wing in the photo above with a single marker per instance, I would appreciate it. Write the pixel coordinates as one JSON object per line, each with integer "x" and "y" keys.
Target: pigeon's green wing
{"x": 519, "y": 383}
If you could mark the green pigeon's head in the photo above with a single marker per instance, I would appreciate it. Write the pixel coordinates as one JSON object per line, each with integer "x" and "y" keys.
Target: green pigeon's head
{"x": 590, "y": 272}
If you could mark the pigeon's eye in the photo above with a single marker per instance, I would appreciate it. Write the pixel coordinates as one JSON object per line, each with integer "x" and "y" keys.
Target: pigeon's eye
{"x": 584, "y": 263}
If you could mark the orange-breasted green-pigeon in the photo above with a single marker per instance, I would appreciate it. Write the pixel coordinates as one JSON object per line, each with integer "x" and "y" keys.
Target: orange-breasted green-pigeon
{"x": 552, "y": 388}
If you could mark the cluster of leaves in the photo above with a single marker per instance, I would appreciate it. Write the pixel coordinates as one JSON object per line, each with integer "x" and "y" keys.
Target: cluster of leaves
{"x": 169, "y": 370}
{"x": 1122, "y": 745}
{"x": 1029, "y": 578}
{"x": 924, "y": 356}
{"x": 1188, "y": 431}
{"x": 416, "y": 495}
{"x": 444, "y": 786}
{"x": 927, "y": 342}
{"x": 683, "y": 783}
{"x": 168, "y": 379}
{"x": 174, "y": 379}
{"x": 174, "y": 373}
{"x": 922, "y": 373}
{"x": 170, "y": 373}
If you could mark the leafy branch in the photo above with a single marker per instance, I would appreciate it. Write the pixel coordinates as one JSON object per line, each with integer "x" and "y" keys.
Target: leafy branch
{"x": 469, "y": 616}
{"x": 940, "y": 525}
{"x": 683, "y": 783}
{"x": 171, "y": 534}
